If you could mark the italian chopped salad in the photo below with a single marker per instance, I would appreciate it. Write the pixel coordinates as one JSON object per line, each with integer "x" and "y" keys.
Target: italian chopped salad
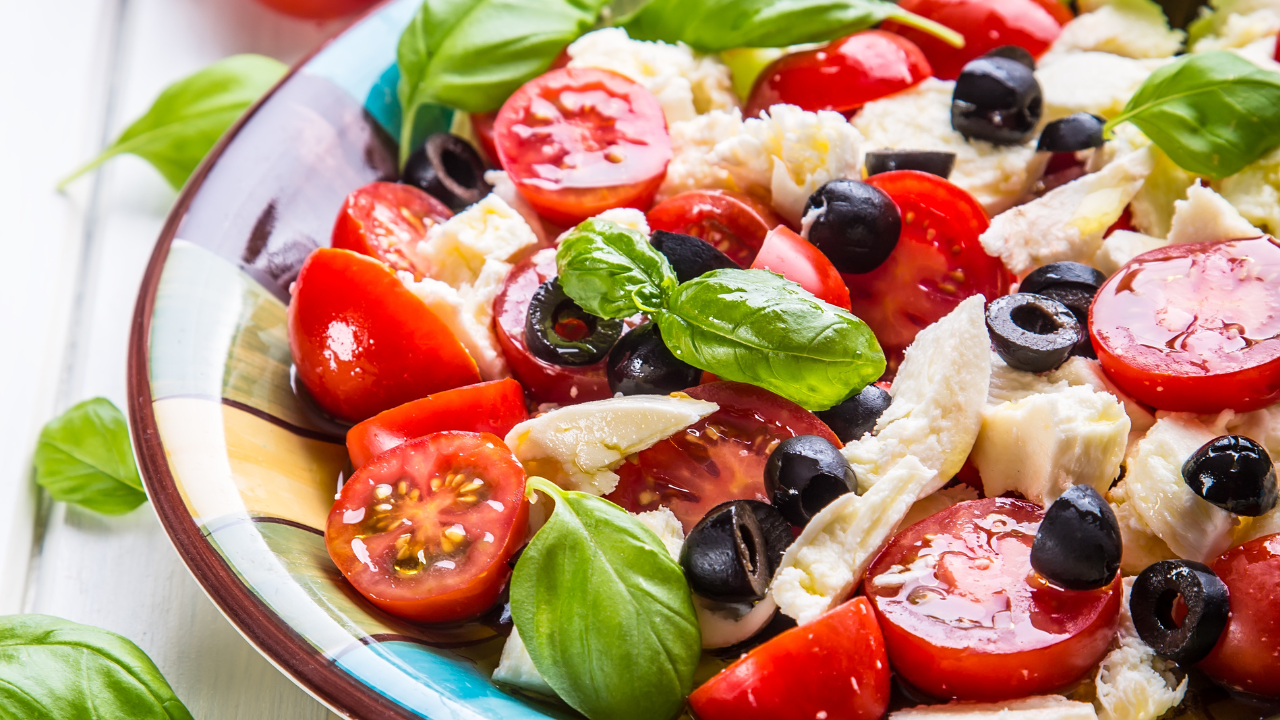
{"x": 822, "y": 360}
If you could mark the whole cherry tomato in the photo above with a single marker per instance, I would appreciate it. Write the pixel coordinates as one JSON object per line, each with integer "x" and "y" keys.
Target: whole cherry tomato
{"x": 843, "y": 75}
{"x": 386, "y": 221}
{"x": 735, "y": 224}
{"x": 985, "y": 25}
{"x": 1247, "y": 656}
{"x": 579, "y": 141}
{"x": 318, "y": 9}
{"x": 424, "y": 530}
{"x": 1194, "y": 327}
{"x": 363, "y": 343}
{"x": 797, "y": 260}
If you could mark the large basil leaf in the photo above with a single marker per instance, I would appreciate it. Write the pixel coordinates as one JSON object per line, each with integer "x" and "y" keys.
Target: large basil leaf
{"x": 84, "y": 457}
{"x": 54, "y": 668}
{"x": 756, "y": 327}
{"x": 190, "y": 115}
{"x": 612, "y": 271}
{"x": 605, "y": 612}
{"x": 1212, "y": 113}
{"x": 716, "y": 25}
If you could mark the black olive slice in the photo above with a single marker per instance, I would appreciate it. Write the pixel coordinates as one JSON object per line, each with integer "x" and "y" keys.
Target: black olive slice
{"x": 641, "y": 364}
{"x": 854, "y": 224}
{"x": 1077, "y": 299}
{"x": 1061, "y": 273}
{"x": 777, "y": 532}
{"x": 996, "y": 99}
{"x": 447, "y": 167}
{"x": 1014, "y": 52}
{"x": 689, "y": 256}
{"x": 805, "y": 474}
{"x": 934, "y": 162}
{"x": 1072, "y": 133}
{"x": 857, "y": 416}
{"x": 1078, "y": 544}
{"x": 725, "y": 558}
{"x": 1207, "y": 601}
{"x": 558, "y": 331}
{"x": 1235, "y": 473}
{"x": 1031, "y": 332}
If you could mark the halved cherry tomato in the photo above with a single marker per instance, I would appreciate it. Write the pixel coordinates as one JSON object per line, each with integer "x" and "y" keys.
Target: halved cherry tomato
{"x": 797, "y": 260}
{"x": 985, "y": 25}
{"x": 579, "y": 141}
{"x": 1194, "y": 328}
{"x": 318, "y": 9}
{"x": 492, "y": 407}
{"x": 735, "y": 224}
{"x": 964, "y": 615}
{"x": 424, "y": 530}
{"x": 383, "y": 220}
{"x": 717, "y": 459}
{"x": 842, "y": 75}
{"x": 1247, "y": 656}
{"x": 1058, "y": 9}
{"x": 543, "y": 381}
{"x": 938, "y": 262}
{"x": 833, "y": 668}
{"x": 363, "y": 343}
{"x": 482, "y": 126}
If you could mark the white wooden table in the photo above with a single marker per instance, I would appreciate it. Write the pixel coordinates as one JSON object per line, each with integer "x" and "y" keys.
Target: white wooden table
{"x": 72, "y": 74}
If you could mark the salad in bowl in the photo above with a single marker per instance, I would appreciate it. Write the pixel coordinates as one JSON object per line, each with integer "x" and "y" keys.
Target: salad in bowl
{"x": 806, "y": 360}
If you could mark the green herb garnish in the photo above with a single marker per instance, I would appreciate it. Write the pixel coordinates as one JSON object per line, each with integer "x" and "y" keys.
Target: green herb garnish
{"x": 84, "y": 457}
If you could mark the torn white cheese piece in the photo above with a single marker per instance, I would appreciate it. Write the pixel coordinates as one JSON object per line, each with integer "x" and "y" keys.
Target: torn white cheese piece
{"x": 1206, "y": 216}
{"x": 1131, "y": 29}
{"x": 1122, "y": 246}
{"x": 1133, "y": 683}
{"x": 1039, "y": 707}
{"x": 515, "y": 668}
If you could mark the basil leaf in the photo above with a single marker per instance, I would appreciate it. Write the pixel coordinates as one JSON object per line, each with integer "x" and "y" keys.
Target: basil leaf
{"x": 54, "y": 668}
{"x": 716, "y": 25}
{"x": 605, "y": 612}
{"x": 190, "y": 115}
{"x": 1212, "y": 113}
{"x": 756, "y": 327}
{"x": 84, "y": 457}
{"x": 612, "y": 271}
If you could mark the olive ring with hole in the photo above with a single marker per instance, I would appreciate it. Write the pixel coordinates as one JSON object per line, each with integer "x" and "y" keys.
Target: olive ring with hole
{"x": 1151, "y": 603}
{"x": 448, "y": 168}
{"x": 1031, "y": 332}
{"x": 557, "y": 330}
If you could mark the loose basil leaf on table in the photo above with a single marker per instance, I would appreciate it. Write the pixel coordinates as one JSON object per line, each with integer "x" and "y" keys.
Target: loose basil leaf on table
{"x": 54, "y": 668}
{"x": 84, "y": 457}
{"x": 614, "y": 269}
{"x": 189, "y": 116}
{"x": 1212, "y": 113}
{"x": 605, "y": 612}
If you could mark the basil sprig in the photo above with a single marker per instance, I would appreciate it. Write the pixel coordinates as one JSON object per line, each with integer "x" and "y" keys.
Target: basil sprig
{"x": 605, "y": 612}
{"x": 51, "y": 667}
{"x": 84, "y": 457}
{"x": 1212, "y": 113}
{"x": 751, "y": 326}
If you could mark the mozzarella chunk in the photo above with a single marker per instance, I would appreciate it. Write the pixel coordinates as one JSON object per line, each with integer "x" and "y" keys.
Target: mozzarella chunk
{"x": 1122, "y": 246}
{"x": 1244, "y": 24}
{"x": 938, "y": 397}
{"x": 1093, "y": 82}
{"x": 1068, "y": 222}
{"x": 1140, "y": 546}
{"x": 1083, "y": 371}
{"x": 684, "y": 82}
{"x": 1152, "y": 207}
{"x": 824, "y": 564}
{"x": 1133, "y": 683}
{"x": 933, "y": 504}
{"x": 578, "y": 446}
{"x": 505, "y": 189}
{"x": 920, "y": 119}
{"x": 666, "y": 526}
{"x": 627, "y": 218}
{"x": 1130, "y": 29}
{"x": 515, "y": 667}
{"x": 1206, "y": 216}
{"x": 1040, "y": 707}
{"x": 1255, "y": 191}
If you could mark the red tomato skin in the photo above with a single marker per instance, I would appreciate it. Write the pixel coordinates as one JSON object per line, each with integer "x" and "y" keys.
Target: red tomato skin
{"x": 1247, "y": 656}
{"x": 1058, "y": 10}
{"x": 1240, "y": 373}
{"x": 363, "y": 343}
{"x": 528, "y": 144}
{"x": 383, "y": 219}
{"x": 842, "y": 75}
{"x": 493, "y": 407}
{"x": 735, "y": 224}
{"x": 985, "y": 25}
{"x": 833, "y": 668}
{"x": 796, "y": 259}
{"x": 482, "y": 126}
{"x": 985, "y": 663}
{"x": 318, "y": 9}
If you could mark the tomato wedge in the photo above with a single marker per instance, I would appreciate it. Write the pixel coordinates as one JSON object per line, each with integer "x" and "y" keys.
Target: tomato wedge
{"x": 424, "y": 530}
{"x": 386, "y": 221}
{"x": 1247, "y": 656}
{"x": 1194, "y": 327}
{"x": 797, "y": 260}
{"x": 492, "y": 407}
{"x": 985, "y": 25}
{"x": 965, "y": 616}
{"x": 735, "y": 224}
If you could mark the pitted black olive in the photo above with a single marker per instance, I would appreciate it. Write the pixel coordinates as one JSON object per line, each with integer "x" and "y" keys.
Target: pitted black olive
{"x": 726, "y": 557}
{"x": 934, "y": 162}
{"x": 777, "y": 532}
{"x": 996, "y": 99}
{"x": 1062, "y": 273}
{"x": 1151, "y": 604}
{"x": 1181, "y": 12}
{"x": 558, "y": 331}
{"x": 1078, "y": 544}
{"x": 1072, "y": 133}
{"x": 857, "y": 416}
{"x": 854, "y": 224}
{"x": 447, "y": 167}
{"x": 641, "y": 364}
{"x": 1013, "y": 52}
{"x": 1234, "y": 473}
{"x": 805, "y": 474}
{"x": 1031, "y": 332}
{"x": 689, "y": 256}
